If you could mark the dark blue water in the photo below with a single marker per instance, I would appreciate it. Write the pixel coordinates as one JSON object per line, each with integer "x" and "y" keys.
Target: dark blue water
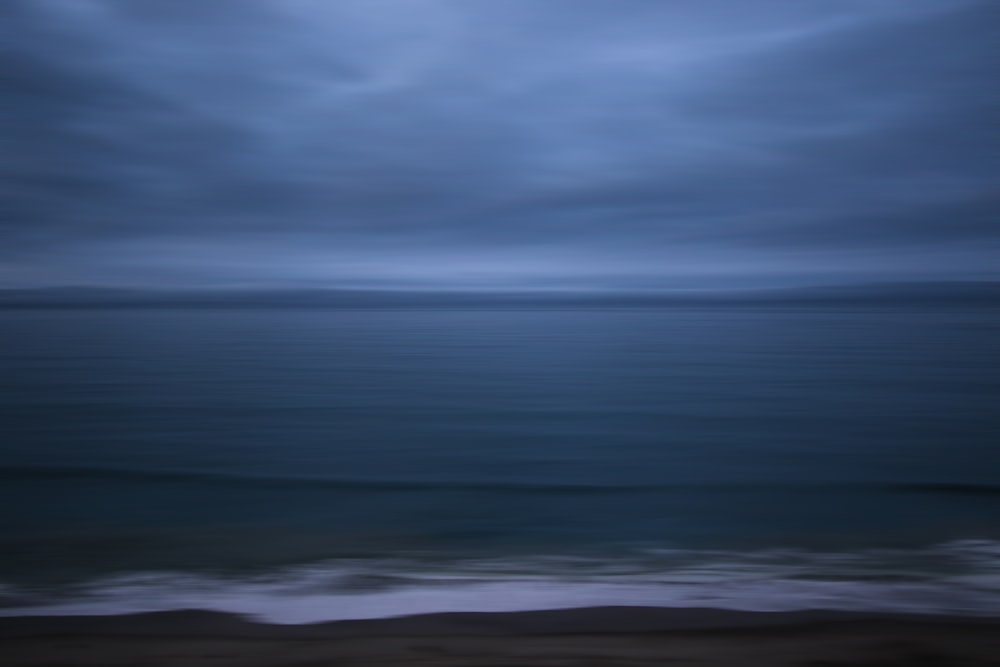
{"x": 251, "y": 440}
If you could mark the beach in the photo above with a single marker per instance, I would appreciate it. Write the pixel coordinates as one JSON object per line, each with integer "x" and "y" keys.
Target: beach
{"x": 593, "y": 637}
{"x": 442, "y": 333}
{"x": 397, "y": 487}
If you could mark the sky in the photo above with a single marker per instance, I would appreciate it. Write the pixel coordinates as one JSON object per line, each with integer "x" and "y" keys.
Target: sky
{"x": 497, "y": 144}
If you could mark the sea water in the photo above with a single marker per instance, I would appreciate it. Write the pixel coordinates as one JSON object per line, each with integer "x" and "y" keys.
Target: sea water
{"x": 312, "y": 464}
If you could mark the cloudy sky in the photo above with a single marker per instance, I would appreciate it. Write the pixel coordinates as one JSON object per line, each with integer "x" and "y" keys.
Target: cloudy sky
{"x": 497, "y": 143}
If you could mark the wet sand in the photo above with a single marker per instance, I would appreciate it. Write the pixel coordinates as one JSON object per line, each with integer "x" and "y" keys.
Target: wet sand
{"x": 588, "y": 637}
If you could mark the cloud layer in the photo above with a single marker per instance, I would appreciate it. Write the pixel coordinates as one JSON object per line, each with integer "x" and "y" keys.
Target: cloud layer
{"x": 474, "y": 143}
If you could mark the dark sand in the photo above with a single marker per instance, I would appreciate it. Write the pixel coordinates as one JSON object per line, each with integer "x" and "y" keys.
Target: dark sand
{"x": 590, "y": 637}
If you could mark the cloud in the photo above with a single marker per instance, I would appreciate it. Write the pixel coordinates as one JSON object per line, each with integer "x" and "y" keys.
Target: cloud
{"x": 474, "y": 142}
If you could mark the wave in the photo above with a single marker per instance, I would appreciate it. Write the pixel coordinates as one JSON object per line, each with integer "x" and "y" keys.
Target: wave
{"x": 184, "y": 475}
{"x": 959, "y": 578}
{"x": 48, "y": 472}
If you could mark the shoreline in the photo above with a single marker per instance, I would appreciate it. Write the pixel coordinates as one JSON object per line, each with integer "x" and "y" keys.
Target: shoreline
{"x": 591, "y": 636}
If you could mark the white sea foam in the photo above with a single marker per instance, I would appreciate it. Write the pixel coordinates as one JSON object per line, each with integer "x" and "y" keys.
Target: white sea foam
{"x": 962, "y": 578}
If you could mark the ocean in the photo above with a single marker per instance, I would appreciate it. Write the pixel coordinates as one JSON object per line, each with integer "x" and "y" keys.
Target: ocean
{"x": 316, "y": 464}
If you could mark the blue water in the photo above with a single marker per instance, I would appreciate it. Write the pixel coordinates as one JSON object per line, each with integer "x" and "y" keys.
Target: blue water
{"x": 242, "y": 442}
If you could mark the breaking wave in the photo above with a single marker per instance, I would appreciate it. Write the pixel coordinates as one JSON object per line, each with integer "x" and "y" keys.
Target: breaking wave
{"x": 961, "y": 578}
